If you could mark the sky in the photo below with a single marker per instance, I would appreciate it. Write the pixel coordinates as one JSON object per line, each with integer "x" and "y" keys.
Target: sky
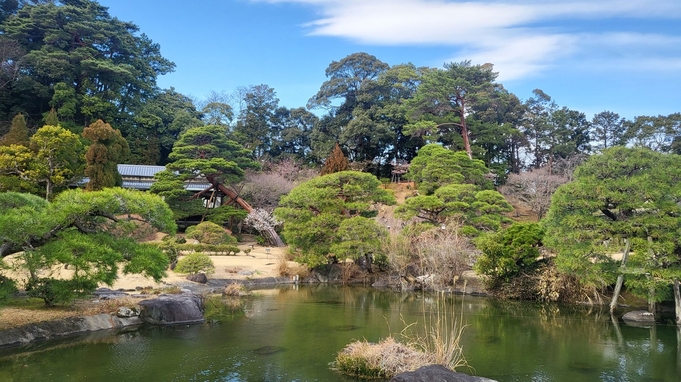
{"x": 589, "y": 55}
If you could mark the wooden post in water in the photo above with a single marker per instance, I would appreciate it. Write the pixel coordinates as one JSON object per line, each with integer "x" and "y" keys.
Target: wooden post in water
{"x": 620, "y": 277}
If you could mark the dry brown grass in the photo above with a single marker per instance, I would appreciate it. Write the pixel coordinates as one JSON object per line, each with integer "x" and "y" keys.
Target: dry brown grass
{"x": 234, "y": 289}
{"x": 288, "y": 268}
{"x": 349, "y": 271}
{"x": 381, "y": 360}
{"x": 31, "y": 311}
{"x": 439, "y": 333}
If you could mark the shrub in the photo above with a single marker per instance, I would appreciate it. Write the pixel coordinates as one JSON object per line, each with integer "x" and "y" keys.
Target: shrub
{"x": 445, "y": 254}
{"x": 7, "y": 288}
{"x": 509, "y": 252}
{"x": 53, "y": 291}
{"x": 215, "y": 250}
{"x": 210, "y": 233}
{"x": 195, "y": 263}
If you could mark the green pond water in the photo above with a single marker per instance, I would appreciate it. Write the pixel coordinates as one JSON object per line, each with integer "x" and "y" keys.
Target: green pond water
{"x": 293, "y": 333}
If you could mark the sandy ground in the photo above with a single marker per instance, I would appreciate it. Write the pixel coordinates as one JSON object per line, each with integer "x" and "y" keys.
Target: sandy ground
{"x": 259, "y": 263}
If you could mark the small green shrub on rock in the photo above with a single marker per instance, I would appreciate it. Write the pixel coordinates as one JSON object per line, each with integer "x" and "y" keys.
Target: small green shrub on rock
{"x": 210, "y": 233}
{"x": 195, "y": 263}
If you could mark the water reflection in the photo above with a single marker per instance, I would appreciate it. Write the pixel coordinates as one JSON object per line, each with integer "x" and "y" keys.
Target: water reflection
{"x": 292, "y": 334}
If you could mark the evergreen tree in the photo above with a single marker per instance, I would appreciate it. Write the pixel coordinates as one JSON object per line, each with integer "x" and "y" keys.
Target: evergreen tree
{"x": 18, "y": 132}
{"x": 336, "y": 162}
{"x": 108, "y": 148}
{"x": 51, "y": 118}
{"x": 58, "y": 159}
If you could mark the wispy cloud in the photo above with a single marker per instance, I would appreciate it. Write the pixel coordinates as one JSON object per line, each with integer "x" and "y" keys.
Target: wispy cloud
{"x": 519, "y": 37}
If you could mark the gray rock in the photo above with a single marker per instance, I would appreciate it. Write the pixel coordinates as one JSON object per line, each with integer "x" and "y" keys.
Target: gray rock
{"x": 639, "y": 317}
{"x": 200, "y": 278}
{"x": 124, "y": 312}
{"x": 436, "y": 373}
{"x": 108, "y": 294}
{"x": 63, "y": 328}
{"x": 172, "y": 309}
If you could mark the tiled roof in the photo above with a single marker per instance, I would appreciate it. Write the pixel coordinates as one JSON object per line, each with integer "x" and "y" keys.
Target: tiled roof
{"x": 139, "y": 170}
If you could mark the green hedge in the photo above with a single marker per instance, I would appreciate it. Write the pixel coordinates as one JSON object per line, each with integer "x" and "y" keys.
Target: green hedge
{"x": 211, "y": 249}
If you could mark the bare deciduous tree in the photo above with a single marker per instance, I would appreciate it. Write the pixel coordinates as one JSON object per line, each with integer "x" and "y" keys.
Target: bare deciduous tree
{"x": 534, "y": 188}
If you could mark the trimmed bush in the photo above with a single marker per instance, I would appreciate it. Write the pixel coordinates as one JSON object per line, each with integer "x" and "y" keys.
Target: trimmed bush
{"x": 195, "y": 263}
{"x": 210, "y": 233}
{"x": 214, "y": 250}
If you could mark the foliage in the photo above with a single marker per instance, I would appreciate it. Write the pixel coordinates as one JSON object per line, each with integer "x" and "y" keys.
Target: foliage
{"x": 58, "y": 160}
{"x": 15, "y": 162}
{"x": 336, "y": 162}
{"x": 509, "y": 252}
{"x": 55, "y": 291}
{"x": 256, "y": 128}
{"x": 623, "y": 194}
{"x": 210, "y": 233}
{"x": 158, "y": 124}
{"x": 213, "y": 249}
{"x": 81, "y": 61}
{"x": 7, "y": 288}
{"x": 357, "y": 237}
{"x": 18, "y": 132}
{"x": 86, "y": 231}
{"x": 475, "y": 210}
{"x": 201, "y": 152}
{"x": 442, "y": 103}
{"x": 108, "y": 148}
{"x": 314, "y": 211}
{"x": 195, "y": 263}
{"x": 436, "y": 166}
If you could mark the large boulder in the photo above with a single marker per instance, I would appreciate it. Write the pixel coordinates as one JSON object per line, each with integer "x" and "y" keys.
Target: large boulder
{"x": 184, "y": 308}
{"x": 639, "y": 318}
{"x": 200, "y": 278}
{"x": 436, "y": 373}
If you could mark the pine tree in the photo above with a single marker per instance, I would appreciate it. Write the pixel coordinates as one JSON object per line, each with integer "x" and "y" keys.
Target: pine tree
{"x": 18, "y": 132}
{"x": 336, "y": 162}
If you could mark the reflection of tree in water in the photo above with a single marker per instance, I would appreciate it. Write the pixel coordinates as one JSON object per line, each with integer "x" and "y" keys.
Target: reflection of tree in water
{"x": 580, "y": 342}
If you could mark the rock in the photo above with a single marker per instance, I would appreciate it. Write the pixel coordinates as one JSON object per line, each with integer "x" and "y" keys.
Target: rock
{"x": 639, "y": 317}
{"x": 200, "y": 278}
{"x": 124, "y": 312}
{"x": 64, "y": 328}
{"x": 108, "y": 294}
{"x": 172, "y": 309}
{"x": 246, "y": 273}
{"x": 436, "y": 373}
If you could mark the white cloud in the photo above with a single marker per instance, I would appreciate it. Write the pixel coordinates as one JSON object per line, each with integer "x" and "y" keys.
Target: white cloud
{"x": 504, "y": 33}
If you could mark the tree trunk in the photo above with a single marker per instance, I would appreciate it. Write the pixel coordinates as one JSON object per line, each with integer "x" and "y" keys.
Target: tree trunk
{"x": 677, "y": 301}
{"x": 651, "y": 287}
{"x": 620, "y": 278}
{"x": 464, "y": 131}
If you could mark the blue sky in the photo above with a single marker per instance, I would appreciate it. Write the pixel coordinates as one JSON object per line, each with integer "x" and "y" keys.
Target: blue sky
{"x": 590, "y": 55}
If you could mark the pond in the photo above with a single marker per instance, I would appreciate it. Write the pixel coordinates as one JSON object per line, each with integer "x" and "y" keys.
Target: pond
{"x": 292, "y": 334}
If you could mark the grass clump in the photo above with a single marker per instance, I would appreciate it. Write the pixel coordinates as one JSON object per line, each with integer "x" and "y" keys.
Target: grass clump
{"x": 435, "y": 341}
{"x": 382, "y": 360}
